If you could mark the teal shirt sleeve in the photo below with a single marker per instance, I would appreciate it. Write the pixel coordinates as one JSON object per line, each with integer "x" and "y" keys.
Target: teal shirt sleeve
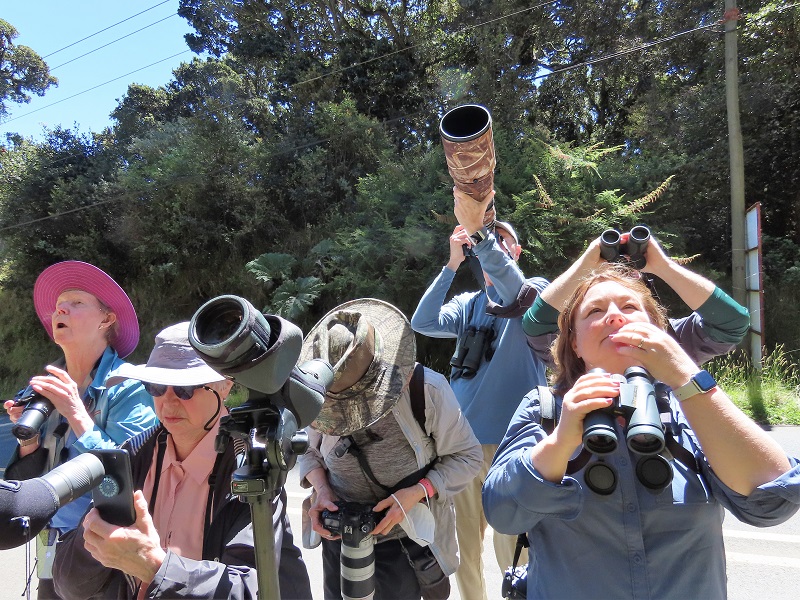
{"x": 724, "y": 319}
{"x": 540, "y": 319}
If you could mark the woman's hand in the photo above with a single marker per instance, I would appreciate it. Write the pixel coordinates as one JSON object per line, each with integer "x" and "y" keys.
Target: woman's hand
{"x": 591, "y": 392}
{"x": 63, "y": 392}
{"x": 135, "y": 550}
{"x": 657, "y": 351}
{"x": 14, "y": 412}
{"x": 324, "y": 500}
{"x": 407, "y": 497}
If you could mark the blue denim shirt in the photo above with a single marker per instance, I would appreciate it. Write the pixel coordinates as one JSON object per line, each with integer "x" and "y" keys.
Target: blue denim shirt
{"x": 632, "y": 543}
{"x": 119, "y": 412}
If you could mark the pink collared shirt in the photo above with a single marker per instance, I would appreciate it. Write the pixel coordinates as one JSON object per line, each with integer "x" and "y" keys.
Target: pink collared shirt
{"x": 180, "y": 509}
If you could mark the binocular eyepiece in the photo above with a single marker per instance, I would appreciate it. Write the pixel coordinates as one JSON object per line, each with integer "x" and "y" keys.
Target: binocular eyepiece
{"x": 614, "y": 246}
{"x": 644, "y": 434}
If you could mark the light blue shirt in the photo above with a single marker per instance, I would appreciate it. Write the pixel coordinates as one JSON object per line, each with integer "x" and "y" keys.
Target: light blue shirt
{"x": 489, "y": 399}
{"x": 631, "y": 543}
{"x": 119, "y": 412}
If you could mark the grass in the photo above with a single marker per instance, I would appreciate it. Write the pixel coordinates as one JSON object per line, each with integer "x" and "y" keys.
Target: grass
{"x": 770, "y": 396}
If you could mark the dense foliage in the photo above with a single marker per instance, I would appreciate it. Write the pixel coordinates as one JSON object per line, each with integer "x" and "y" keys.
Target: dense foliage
{"x": 299, "y": 164}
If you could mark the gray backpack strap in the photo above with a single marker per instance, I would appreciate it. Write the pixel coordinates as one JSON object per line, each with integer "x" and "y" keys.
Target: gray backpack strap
{"x": 547, "y": 408}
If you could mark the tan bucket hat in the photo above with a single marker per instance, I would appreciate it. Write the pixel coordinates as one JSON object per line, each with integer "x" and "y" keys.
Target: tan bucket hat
{"x": 372, "y": 348}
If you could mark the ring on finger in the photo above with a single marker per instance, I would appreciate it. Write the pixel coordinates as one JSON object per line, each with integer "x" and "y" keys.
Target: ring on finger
{"x": 641, "y": 344}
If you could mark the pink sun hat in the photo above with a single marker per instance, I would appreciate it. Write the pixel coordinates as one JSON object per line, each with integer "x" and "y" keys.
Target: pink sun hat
{"x": 77, "y": 275}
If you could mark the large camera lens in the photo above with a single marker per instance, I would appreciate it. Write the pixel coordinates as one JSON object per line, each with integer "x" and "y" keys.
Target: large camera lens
{"x": 33, "y": 417}
{"x": 465, "y": 123}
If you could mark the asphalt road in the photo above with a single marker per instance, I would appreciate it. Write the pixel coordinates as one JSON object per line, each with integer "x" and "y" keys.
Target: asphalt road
{"x": 762, "y": 563}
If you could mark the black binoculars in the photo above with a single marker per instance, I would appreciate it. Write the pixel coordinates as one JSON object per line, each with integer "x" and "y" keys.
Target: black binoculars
{"x": 472, "y": 347}
{"x": 644, "y": 434}
{"x": 614, "y": 246}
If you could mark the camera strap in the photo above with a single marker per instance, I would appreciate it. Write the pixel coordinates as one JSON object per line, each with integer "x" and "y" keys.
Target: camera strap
{"x": 416, "y": 390}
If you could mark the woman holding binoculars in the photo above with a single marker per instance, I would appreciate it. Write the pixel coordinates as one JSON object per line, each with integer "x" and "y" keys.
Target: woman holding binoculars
{"x": 629, "y": 540}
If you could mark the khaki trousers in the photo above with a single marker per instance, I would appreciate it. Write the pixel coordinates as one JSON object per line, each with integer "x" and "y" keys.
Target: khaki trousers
{"x": 470, "y": 528}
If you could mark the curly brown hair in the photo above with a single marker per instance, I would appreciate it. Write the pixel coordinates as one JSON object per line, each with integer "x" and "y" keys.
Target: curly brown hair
{"x": 569, "y": 366}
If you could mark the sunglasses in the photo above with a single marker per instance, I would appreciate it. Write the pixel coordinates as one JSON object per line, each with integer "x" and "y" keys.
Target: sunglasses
{"x": 184, "y": 392}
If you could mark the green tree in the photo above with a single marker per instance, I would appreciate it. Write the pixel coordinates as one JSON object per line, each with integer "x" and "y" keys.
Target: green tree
{"x": 22, "y": 71}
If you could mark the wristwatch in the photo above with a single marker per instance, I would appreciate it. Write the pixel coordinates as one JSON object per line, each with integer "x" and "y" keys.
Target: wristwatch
{"x": 701, "y": 382}
{"x": 479, "y": 235}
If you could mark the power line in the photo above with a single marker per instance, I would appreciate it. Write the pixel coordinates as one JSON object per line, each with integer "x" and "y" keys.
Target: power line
{"x": 607, "y": 57}
{"x": 97, "y": 86}
{"x": 106, "y": 29}
{"x": 114, "y": 41}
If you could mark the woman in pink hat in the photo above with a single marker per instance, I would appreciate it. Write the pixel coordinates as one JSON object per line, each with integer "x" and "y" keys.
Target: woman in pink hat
{"x": 90, "y": 317}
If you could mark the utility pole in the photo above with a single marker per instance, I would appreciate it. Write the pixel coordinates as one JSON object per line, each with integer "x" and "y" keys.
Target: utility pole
{"x": 736, "y": 153}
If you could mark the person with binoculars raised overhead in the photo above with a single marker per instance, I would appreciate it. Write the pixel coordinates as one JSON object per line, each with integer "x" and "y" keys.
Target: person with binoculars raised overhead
{"x": 191, "y": 537}
{"x": 492, "y": 366}
{"x": 716, "y": 326}
{"x": 386, "y": 454}
{"x": 70, "y": 410}
{"x": 619, "y": 475}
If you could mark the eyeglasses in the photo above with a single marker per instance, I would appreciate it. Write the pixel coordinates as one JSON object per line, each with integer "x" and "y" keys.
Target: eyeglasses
{"x": 184, "y": 392}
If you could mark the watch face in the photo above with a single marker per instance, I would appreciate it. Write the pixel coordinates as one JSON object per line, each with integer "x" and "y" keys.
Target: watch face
{"x": 705, "y": 381}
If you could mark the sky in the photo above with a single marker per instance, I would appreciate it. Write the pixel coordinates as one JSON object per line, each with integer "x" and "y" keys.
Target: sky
{"x": 48, "y": 26}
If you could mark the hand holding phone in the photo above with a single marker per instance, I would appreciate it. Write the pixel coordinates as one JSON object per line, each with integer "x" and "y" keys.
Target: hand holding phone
{"x": 113, "y": 498}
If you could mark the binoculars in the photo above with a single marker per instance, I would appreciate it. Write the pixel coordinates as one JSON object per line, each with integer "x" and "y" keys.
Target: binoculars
{"x": 469, "y": 150}
{"x": 36, "y": 412}
{"x": 644, "y": 434}
{"x": 472, "y": 347}
{"x": 633, "y": 244}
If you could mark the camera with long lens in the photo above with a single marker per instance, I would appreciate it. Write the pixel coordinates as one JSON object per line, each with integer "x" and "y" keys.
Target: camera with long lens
{"x": 473, "y": 346}
{"x": 468, "y": 142}
{"x": 615, "y": 246}
{"x": 36, "y": 412}
{"x": 644, "y": 434}
{"x": 260, "y": 351}
{"x": 354, "y": 521}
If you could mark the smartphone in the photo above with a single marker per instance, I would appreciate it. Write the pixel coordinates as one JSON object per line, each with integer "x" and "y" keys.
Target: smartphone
{"x": 113, "y": 498}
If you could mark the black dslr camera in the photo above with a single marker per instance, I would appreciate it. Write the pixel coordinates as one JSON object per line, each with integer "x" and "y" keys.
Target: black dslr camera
{"x": 515, "y": 582}
{"x": 353, "y": 521}
{"x": 473, "y": 346}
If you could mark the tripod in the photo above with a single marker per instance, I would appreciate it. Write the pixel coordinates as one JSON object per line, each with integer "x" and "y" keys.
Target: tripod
{"x": 273, "y": 443}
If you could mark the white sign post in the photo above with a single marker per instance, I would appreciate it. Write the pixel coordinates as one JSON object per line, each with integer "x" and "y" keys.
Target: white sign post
{"x": 754, "y": 284}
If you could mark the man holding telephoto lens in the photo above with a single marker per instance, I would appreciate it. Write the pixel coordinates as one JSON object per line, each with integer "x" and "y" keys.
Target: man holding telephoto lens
{"x": 191, "y": 537}
{"x": 493, "y": 368}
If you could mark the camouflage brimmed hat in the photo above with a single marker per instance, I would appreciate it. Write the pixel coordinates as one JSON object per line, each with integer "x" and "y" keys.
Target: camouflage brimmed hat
{"x": 372, "y": 348}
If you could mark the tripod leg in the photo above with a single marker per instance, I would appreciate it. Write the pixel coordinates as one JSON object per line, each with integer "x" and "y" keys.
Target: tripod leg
{"x": 264, "y": 542}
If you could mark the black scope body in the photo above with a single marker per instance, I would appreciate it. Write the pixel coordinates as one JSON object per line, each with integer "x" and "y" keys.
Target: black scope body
{"x": 615, "y": 246}
{"x": 637, "y": 404}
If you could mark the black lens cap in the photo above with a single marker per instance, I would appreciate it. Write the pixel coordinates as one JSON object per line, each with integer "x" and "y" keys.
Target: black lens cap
{"x": 601, "y": 478}
{"x": 654, "y": 472}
